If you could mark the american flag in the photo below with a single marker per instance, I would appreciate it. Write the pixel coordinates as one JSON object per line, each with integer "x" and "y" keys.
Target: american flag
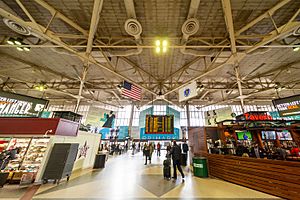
{"x": 132, "y": 91}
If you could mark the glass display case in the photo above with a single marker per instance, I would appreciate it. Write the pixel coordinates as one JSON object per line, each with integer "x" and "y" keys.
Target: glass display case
{"x": 35, "y": 154}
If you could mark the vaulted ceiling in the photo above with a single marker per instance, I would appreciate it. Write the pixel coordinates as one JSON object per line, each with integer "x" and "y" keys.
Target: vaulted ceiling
{"x": 240, "y": 51}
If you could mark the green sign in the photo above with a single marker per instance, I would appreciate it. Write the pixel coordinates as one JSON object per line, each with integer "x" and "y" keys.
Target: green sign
{"x": 16, "y": 105}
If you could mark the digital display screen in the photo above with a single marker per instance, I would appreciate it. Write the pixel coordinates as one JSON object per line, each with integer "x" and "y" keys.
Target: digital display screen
{"x": 243, "y": 135}
{"x": 284, "y": 135}
{"x": 288, "y": 106}
{"x": 269, "y": 135}
{"x": 159, "y": 124}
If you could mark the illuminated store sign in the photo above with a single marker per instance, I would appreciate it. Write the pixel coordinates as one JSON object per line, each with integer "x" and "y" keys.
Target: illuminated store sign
{"x": 15, "y": 105}
{"x": 255, "y": 116}
{"x": 288, "y": 106}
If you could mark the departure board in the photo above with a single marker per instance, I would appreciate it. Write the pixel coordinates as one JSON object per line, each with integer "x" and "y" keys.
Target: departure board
{"x": 159, "y": 124}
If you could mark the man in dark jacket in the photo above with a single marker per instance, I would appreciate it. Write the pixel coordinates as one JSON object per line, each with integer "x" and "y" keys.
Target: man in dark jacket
{"x": 176, "y": 153}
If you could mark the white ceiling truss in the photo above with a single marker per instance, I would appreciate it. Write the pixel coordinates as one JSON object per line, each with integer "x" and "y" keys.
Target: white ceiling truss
{"x": 231, "y": 66}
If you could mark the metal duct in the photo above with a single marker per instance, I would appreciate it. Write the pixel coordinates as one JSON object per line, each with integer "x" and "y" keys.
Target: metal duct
{"x": 191, "y": 27}
{"x": 133, "y": 28}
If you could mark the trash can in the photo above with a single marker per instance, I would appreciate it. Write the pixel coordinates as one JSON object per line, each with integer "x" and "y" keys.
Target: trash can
{"x": 99, "y": 161}
{"x": 200, "y": 166}
{"x": 3, "y": 178}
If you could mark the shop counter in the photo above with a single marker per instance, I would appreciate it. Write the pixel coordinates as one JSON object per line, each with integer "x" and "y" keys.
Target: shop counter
{"x": 279, "y": 178}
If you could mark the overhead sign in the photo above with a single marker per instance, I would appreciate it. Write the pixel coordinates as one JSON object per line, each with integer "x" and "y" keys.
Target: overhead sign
{"x": 16, "y": 105}
{"x": 159, "y": 124}
{"x": 188, "y": 92}
{"x": 288, "y": 106}
{"x": 212, "y": 117}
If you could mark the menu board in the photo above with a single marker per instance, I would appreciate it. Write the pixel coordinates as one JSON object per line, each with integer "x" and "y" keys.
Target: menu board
{"x": 268, "y": 135}
{"x": 288, "y": 106}
{"x": 159, "y": 124}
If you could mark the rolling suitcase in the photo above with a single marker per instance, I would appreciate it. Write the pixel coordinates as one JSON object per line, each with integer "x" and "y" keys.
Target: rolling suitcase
{"x": 167, "y": 172}
{"x": 167, "y": 168}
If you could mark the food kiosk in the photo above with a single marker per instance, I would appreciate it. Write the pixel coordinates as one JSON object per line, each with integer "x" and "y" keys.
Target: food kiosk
{"x": 267, "y": 174}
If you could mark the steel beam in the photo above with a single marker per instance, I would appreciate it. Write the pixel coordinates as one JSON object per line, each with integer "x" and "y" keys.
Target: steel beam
{"x": 230, "y": 28}
{"x": 58, "y": 14}
{"x": 134, "y": 65}
{"x": 49, "y": 35}
{"x": 261, "y": 17}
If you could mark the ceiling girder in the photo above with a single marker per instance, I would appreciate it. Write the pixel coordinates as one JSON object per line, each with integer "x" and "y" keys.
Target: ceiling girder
{"x": 61, "y": 16}
{"x": 50, "y": 36}
{"x": 261, "y": 17}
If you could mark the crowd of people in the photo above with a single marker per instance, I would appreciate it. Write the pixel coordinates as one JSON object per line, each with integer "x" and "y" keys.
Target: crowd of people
{"x": 252, "y": 149}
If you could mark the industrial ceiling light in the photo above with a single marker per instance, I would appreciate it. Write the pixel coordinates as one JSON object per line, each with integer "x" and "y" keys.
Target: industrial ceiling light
{"x": 26, "y": 48}
{"x": 296, "y": 48}
{"x": 157, "y": 49}
{"x": 40, "y": 87}
{"x": 20, "y": 49}
{"x": 161, "y": 46}
{"x": 10, "y": 41}
{"x": 18, "y": 42}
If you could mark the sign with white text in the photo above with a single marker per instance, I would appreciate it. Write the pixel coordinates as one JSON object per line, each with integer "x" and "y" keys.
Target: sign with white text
{"x": 16, "y": 105}
{"x": 288, "y": 106}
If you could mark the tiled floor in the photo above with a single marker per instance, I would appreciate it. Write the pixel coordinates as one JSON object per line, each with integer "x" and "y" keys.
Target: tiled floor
{"x": 126, "y": 177}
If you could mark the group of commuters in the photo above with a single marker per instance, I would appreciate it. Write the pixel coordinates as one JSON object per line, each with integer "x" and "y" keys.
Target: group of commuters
{"x": 273, "y": 151}
{"x": 148, "y": 150}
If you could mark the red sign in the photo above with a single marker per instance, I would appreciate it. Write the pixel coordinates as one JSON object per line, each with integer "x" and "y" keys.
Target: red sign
{"x": 257, "y": 116}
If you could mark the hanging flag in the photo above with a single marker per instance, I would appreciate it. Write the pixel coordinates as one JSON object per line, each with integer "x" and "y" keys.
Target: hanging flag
{"x": 131, "y": 91}
{"x": 188, "y": 92}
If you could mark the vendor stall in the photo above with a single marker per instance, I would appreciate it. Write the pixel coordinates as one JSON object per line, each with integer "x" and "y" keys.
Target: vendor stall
{"x": 257, "y": 153}
{"x": 26, "y": 142}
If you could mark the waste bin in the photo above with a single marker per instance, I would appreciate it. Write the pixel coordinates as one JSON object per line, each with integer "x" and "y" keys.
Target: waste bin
{"x": 200, "y": 166}
{"x": 3, "y": 178}
{"x": 99, "y": 161}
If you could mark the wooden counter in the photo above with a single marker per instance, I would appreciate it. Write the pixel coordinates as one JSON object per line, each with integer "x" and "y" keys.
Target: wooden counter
{"x": 279, "y": 178}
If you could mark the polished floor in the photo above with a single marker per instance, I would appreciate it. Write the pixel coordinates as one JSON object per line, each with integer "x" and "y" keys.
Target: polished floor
{"x": 126, "y": 177}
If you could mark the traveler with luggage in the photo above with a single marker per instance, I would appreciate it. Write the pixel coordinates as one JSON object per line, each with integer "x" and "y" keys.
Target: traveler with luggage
{"x": 176, "y": 155}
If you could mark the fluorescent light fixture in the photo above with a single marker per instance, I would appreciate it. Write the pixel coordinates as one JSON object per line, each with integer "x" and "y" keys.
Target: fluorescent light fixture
{"x": 164, "y": 49}
{"x": 11, "y": 42}
{"x": 26, "y": 49}
{"x": 157, "y": 43}
{"x": 20, "y": 49}
{"x": 157, "y": 49}
{"x": 296, "y": 48}
{"x": 164, "y": 43}
{"x": 17, "y": 42}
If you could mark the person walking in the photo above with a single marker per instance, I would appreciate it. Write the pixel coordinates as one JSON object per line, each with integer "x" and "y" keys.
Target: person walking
{"x": 146, "y": 152}
{"x": 158, "y": 149}
{"x": 176, "y": 153}
{"x": 151, "y": 148}
{"x": 133, "y": 148}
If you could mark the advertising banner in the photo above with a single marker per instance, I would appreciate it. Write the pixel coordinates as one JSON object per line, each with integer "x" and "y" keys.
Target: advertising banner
{"x": 212, "y": 117}
{"x": 119, "y": 132}
{"x": 16, "y": 105}
{"x": 288, "y": 106}
{"x": 98, "y": 117}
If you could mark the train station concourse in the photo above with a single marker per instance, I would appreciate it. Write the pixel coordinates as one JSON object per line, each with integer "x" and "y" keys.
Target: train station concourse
{"x": 149, "y": 99}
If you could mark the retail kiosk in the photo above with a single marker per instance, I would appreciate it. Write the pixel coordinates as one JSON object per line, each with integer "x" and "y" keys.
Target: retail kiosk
{"x": 266, "y": 174}
{"x": 35, "y": 137}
